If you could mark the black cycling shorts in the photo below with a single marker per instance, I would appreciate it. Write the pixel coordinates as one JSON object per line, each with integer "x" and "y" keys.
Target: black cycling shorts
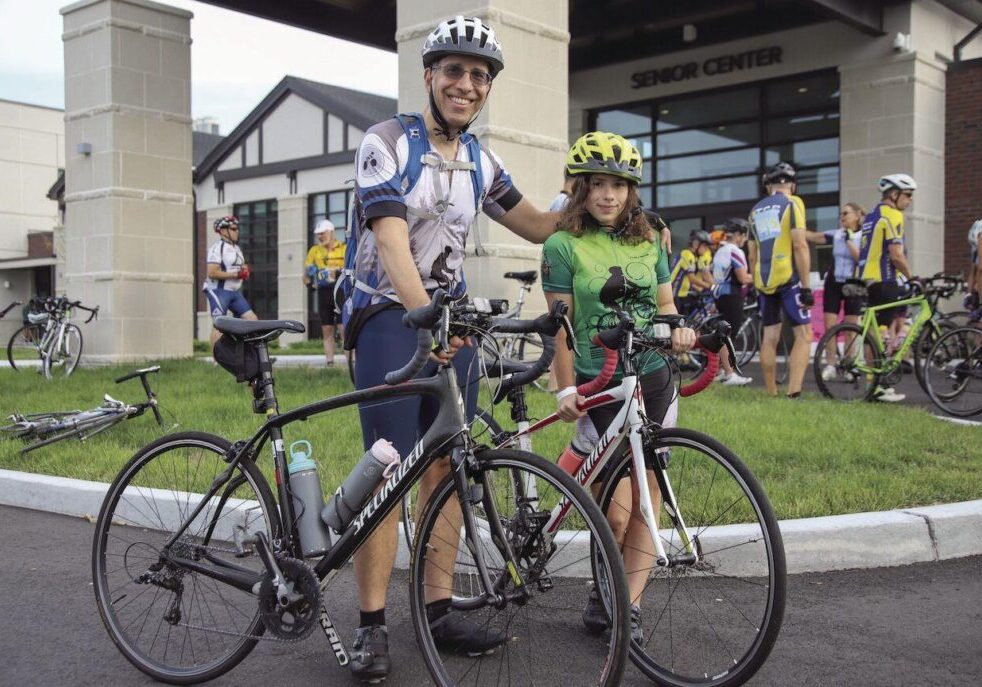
{"x": 885, "y": 292}
{"x": 731, "y": 308}
{"x": 325, "y": 305}
{"x": 833, "y": 300}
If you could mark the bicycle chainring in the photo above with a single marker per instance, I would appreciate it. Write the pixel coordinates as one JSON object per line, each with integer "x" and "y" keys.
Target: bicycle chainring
{"x": 298, "y": 616}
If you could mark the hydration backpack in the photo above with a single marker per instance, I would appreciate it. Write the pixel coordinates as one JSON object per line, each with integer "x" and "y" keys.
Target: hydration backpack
{"x": 352, "y": 293}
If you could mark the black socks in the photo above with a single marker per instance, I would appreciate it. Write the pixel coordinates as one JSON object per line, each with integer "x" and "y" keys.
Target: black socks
{"x": 372, "y": 617}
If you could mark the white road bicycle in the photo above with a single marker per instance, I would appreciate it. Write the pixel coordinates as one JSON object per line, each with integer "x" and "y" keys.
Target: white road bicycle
{"x": 50, "y": 336}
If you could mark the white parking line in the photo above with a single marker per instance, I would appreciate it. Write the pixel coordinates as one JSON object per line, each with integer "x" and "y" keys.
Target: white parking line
{"x": 959, "y": 421}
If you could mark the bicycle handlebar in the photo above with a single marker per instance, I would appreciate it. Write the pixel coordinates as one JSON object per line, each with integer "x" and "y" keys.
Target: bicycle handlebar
{"x": 151, "y": 398}
{"x": 9, "y": 308}
{"x": 138, "y": 373}
{"x": 422, "y": 319}
{"x": 546, "y": 326}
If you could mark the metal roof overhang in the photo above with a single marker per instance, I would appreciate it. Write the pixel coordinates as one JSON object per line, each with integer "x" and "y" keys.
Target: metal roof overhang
{"x": 25, "y": 263}
{"x": 601, "y": 31}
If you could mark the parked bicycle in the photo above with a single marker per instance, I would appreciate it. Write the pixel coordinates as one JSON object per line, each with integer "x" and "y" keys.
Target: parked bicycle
{"x": 47, "y": 428}
{"x": 50, "y": 336}
{"x": 718, "y": 545}
{"x": 858, "y": 354}
{"x": 194, "y": 558}
{"x": 953, "y": 372}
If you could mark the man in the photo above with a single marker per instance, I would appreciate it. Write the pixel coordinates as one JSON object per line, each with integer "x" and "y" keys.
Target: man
{"x": 559, "y": 202}
{"x": 780, "y": 259}
{"x": 227, "y": 269}
{"x": 692, "y": 273}
{"x": 321, "y": 268}
{"x": 974, "y": 283}
{"x": 882, "y": 256}
{"x": 730, "y": 275}
{"x": 412, "y": 241}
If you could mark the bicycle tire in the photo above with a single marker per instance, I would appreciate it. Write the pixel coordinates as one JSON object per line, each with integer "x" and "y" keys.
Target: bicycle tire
{"x": 742, "y": 585}
{"x": 139, "y": 512}
{"x": 556, "y": 601}
{"x": 746, "y": 342}
{"x": 484, "y": 427}
{"x": 66, "y": 358}
{"x": 848, "y": 383}
{"x": 953, "y": 372}
{"x": 23, "y": 339}
{"x": 928, "y": 336}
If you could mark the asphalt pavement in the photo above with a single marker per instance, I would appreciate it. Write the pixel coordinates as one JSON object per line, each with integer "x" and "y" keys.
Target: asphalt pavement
{"x": 912, "y": 625}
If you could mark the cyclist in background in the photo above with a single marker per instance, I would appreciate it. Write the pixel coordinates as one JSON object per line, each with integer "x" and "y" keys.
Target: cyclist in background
{"x": 606, "y": 257}
{"x": 692, "y": 273}
{"x": 730, "y": 274}
{"x": 559, "y": 202}
{"x": 321, "y": 268}
{"x": 974, "y": 284}
{"x": 882, "y": 256}
{"x": 779, "y": 259}
{"x": 845, "y": 254}
{"x": 227, "y": 269}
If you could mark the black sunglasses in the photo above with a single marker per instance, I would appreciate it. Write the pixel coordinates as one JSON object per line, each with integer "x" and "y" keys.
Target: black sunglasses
{"x": 455, "y": 72}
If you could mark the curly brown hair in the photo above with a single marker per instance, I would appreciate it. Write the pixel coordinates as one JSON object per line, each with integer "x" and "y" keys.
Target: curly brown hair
{"x": 576, "y": 219}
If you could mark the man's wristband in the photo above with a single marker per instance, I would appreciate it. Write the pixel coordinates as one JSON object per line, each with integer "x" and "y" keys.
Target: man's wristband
{"x": 563, "y": 393}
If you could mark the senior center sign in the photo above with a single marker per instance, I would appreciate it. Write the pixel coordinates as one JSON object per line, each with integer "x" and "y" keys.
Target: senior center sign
{"x": 723, "y": 64}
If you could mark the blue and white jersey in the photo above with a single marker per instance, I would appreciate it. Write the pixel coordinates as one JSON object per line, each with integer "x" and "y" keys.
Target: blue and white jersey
{"x": 439, "y": 208}
{"x": 844, "y": 264}
{"x": 228, "y": 257}
{"x": 728, "y": 258}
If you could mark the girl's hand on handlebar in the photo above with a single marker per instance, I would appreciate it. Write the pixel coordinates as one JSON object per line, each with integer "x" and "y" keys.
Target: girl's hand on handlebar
{"x": 683, "y": 339}
{"x": 569, "y": 410}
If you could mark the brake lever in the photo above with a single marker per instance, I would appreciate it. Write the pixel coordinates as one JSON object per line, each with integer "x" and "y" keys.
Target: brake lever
{"x": 443, "y": 336}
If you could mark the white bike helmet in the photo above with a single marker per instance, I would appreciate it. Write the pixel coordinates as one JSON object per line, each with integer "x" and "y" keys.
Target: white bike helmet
{"x": 973, "y": 233}
{"x": 901, "y": 182}
{"x": 464, "y": 36}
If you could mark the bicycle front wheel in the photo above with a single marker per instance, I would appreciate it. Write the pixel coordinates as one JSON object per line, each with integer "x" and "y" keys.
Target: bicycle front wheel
{"x": 953, "y": 372}
{"x": 542, "y": 597}
{"x": 23, "y": 345}
{"x": 839, "y": 353}
{"x": 715, "y": 620}
{"x": 175, "y": 624}
{"x": 64, "y": 354}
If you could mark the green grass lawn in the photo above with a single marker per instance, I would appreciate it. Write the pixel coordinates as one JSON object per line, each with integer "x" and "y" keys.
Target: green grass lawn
{"x": 813, "y": 458}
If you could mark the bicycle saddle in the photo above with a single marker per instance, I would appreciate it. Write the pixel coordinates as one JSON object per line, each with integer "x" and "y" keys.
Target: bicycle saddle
{"x": 236, "y": 327}
{"x": 527, "y": 277}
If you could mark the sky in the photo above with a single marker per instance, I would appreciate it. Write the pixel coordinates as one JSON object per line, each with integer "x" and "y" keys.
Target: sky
{"x": 230, "y": 73}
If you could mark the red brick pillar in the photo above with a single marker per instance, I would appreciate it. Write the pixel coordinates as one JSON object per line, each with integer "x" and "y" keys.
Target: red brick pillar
{"x": 963, "y": 160}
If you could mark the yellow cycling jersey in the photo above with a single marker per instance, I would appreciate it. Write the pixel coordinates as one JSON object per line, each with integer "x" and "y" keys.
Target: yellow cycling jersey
{"x": 686, "y": 265}
{"x": 772, "y": 220}
{"x": 882, "y": 227}
{"x": 321, "y": 264}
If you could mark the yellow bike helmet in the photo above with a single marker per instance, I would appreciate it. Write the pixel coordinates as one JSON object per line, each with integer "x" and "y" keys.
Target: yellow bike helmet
{"x": 599, "y": 152}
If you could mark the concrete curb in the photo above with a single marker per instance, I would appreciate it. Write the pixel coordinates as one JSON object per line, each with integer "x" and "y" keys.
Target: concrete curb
{"x": 839, "y": 542}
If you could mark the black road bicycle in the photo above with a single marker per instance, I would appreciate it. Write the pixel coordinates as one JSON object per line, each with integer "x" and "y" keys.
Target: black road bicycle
{"x": 196, "y": 555}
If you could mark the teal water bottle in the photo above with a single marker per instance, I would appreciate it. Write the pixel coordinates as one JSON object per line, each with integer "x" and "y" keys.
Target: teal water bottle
{"x": 305, "y": 489}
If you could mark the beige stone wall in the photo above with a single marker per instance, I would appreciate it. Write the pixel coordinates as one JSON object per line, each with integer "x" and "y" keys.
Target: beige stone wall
{"x": 524, "y": 121}
{"x": 292, "y": 295}
{"x": 129, "y": 221}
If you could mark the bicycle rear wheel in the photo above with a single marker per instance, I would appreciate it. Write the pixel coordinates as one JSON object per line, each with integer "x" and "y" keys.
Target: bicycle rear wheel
{"x": 172, "y": 623}
{"x": 932, "y": 331}
{"x": 553, "y": 570}
{"x": 64, "y": 354}
{"x": 23, "y": 345}
{"x": 953, "y": 372}
{"x": 746, "y": 341}
{"x": 712, "y": 622}
{"x": 839, "y": 351}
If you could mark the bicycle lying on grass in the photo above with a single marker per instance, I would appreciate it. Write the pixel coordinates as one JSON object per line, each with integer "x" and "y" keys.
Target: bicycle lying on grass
{"x": 47, "y": 428}
{"x": 50, "y": 335}
{"x": 714, "y": 586}
{"x": 196, "y": 555}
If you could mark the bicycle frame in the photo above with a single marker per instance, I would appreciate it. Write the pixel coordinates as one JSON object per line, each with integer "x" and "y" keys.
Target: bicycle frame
{"x": 628, "y": 423}
{"x": 869, "y": 324}
{"x": 449, "y": 433}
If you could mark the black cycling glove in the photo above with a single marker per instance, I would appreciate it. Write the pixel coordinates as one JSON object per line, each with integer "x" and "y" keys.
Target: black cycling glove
{"x": 807, "y": 297}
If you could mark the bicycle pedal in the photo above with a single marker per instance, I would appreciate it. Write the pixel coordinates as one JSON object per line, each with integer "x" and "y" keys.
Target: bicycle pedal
{"x": 544, "y": 584}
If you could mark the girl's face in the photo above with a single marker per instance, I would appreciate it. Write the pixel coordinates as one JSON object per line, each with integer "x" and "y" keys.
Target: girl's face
{"x": 850, "y": 220}
{"x": 607, "y": 198}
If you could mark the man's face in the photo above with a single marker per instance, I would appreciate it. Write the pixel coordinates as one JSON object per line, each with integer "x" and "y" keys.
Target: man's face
{"x": 904, "y": 199}
{"x": 457, "y": 94}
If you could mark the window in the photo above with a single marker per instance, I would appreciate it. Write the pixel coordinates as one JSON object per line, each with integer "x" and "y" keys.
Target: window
{"x": 258, "y": 239}
{"x": 334, "y": 206}
{"x": 708, "y": 149}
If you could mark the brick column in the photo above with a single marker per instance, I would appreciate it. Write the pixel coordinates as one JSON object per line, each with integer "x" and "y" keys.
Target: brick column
{"x": 525, "y": 120}
{"x": 893, "y": 121}
{"x": 963, "y": 161}
{"x": 129, "y": 223}
{"x": 292, "y": 296}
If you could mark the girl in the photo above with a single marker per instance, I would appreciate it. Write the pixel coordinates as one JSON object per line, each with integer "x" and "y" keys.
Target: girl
{"x": 605, "y": 257}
